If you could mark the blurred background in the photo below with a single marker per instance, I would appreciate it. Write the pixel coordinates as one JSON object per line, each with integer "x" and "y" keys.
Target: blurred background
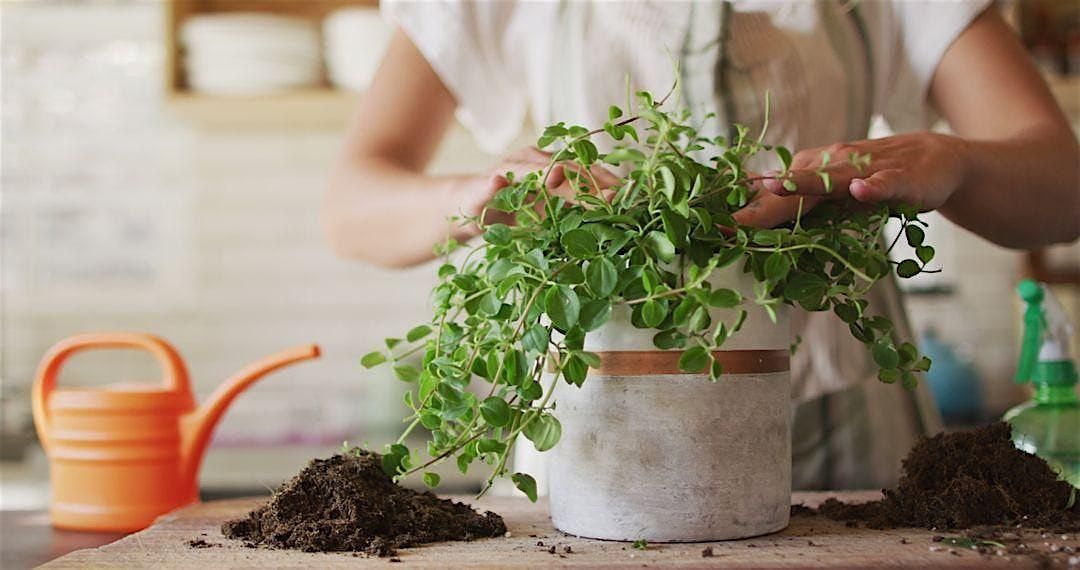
{"x": 149, "y": 186}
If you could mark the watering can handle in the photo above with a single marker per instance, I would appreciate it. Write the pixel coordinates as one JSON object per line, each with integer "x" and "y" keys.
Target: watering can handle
{"x": 175, "y": 373}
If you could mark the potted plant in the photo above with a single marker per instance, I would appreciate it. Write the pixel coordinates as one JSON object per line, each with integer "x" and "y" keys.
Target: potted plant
{"x": 680, "y": 432}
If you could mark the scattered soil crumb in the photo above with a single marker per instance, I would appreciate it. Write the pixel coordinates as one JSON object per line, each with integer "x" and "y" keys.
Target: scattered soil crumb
{"x": 707, "y": 552}
{"x": 965, "y": 479}
{"x": 200, "y": 543}
{"x": 346, "y": 503}
{"x": 801, "y": 510}
{"x": 395, "y": 559}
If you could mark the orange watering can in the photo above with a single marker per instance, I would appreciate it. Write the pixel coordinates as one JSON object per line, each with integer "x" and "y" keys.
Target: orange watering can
{"x": 123, "y": 454}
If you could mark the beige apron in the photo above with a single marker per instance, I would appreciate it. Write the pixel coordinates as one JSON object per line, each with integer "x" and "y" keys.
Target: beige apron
{"x": 849, "y": 430}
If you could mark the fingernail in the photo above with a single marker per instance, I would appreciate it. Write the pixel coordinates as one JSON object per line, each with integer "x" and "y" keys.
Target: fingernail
{"x": 859, "y": 189}
{"x": 773, "y": 185}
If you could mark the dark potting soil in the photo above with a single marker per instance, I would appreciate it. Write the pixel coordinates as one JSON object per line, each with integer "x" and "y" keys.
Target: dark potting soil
{"x": 347, "y": 503}
{"x": 965, "y": 479}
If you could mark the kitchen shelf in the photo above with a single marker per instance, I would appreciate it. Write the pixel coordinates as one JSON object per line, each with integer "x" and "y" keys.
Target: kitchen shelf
{"x": 315, "y": 107}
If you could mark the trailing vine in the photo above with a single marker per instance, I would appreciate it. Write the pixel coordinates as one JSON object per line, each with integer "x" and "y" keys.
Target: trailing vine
{"x": 515, "y": 311}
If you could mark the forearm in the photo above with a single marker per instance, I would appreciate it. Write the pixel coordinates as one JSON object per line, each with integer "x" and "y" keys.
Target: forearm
{"x": 1021, "y": 192}
{"x": 392, "y": 216}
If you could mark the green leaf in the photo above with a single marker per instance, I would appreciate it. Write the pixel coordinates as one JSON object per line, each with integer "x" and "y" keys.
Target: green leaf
{"x": 847, "y": 312}
{"x": 544, "y": 431}
{"x": 497, "y": 234}
{"x": 431, "y": 479}
{"x": 594, "y": 314}
{"x": 591, "y": 359}
{"x": 668, "y": 339}
{"x": 908, "y": 353}
{"x": 495, "y": 411}
{"x": 446, "y": 270}
{"x": 885, "y": 355}
{"x": 601, "y": 277}
{"x": 925, "y": 253}
{"x": 909, "y": 380}
{"x": 490, "y": 446}
{"x": 922, "y": 365}
{"x": 372, "y": 359}
{"x": 675, "y": 227}
{"x": 465, "y": 282}
{"x": 668, "y": 182}
{"x": 430, "y": 421}
{"x": 395, "y": 459}
{"x": 579, "y": 243}
{"x": 653, "y": 312}
{"x": 907, "y": 268}
{"x": 529, "y": 391}
{"x": 526, "y": 484}
{"x": 417, "y": 333}
{"x": 575, "y": 370}
{"x": 694, "y": 359}
{"x": 406, "y": 373}
{"x": 535, "y": 339}
{"x": 808, "y": 289}
{"x": 785, "y": 157}
{"x": 463, "y": 461}
{"x": 724, "y": 298}
{"x": 660, "y": 246}
{"x": 563, "y": 306}
{"x": 888, "y": 375}
{"x": 489, "y": 304}
{"x": 789, "y": 185}
{"x": 768, "y": 237}
{"x": 914, "y": 235}
{"x": 699, "y": 320}
{"x": 777, "y": 266}
{"x": 826, "y": 180}
{"x": 613, "y": 113}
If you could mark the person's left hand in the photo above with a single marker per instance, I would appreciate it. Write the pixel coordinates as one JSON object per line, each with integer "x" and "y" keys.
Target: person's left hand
{"x": 922, "y": 169}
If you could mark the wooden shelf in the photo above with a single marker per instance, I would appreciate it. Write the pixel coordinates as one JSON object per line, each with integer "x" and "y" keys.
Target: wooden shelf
{"x": 315, "y": 107}
{"x": 304, "y": 108}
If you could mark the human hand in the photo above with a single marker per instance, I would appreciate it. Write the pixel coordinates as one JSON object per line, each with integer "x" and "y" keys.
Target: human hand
{"x": 482, "y": 189}
{"x": 921, "y": 169}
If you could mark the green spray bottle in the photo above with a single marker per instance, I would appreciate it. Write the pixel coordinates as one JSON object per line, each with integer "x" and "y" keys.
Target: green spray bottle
{"x": 1049, "y": 424}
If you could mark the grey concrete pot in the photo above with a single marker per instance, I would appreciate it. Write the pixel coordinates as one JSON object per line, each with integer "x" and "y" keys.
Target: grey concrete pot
{"x": 672, "y": 457}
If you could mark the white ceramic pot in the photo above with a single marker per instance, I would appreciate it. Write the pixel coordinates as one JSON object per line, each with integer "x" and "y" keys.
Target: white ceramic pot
{"x": 650, "y": 453}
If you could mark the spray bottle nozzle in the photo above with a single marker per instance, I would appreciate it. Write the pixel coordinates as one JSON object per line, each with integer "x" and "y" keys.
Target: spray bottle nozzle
{"x": 1044, "y": 354}
{"x": 1030, "y": 291}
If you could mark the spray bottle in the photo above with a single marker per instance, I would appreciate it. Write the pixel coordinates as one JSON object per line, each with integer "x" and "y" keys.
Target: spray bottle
{"x": 1049, "y": 424}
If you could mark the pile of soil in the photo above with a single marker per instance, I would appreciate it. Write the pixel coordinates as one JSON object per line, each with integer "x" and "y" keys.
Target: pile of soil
{"x": 348, "y": 504}
{"x": 965, "y": 479}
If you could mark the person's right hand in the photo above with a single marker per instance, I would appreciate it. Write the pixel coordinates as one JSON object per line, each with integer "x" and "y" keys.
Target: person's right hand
{"x": 481, "y": 190}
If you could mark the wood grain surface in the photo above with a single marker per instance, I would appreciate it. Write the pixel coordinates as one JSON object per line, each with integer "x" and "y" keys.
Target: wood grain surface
{"x": 809, "y": 542}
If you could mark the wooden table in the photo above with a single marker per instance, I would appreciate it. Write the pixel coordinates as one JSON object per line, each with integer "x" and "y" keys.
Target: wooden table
{"x": 27, "y": 539}
{"x": 810, "y": 541}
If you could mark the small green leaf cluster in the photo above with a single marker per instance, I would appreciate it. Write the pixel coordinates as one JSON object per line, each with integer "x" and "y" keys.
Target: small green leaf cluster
{"x": 514, "y": 312}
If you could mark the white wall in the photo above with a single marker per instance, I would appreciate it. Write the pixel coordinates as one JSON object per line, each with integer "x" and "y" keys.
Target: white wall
{"x": 116, "y": 215}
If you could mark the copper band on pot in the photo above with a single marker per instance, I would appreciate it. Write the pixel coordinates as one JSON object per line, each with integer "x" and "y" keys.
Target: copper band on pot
{"x": 658, "y": 362}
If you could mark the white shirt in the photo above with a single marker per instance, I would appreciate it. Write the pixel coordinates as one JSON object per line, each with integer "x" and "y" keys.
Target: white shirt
{"x": 828, "y": 66}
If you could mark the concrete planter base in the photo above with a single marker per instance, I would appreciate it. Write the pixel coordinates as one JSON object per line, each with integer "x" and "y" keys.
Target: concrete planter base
{"x": 673, "y": 458}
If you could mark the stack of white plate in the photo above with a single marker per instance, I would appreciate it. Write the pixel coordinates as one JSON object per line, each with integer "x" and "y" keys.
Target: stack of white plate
{"x": 356, "y": 39}
{"x": 250, "y": 53}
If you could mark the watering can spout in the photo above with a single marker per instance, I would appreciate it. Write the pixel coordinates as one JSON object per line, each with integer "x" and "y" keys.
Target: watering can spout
{"x": 198, "y": 425}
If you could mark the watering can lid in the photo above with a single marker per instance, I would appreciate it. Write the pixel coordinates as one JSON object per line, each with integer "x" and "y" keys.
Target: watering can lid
{"x": 126, "y": 396}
